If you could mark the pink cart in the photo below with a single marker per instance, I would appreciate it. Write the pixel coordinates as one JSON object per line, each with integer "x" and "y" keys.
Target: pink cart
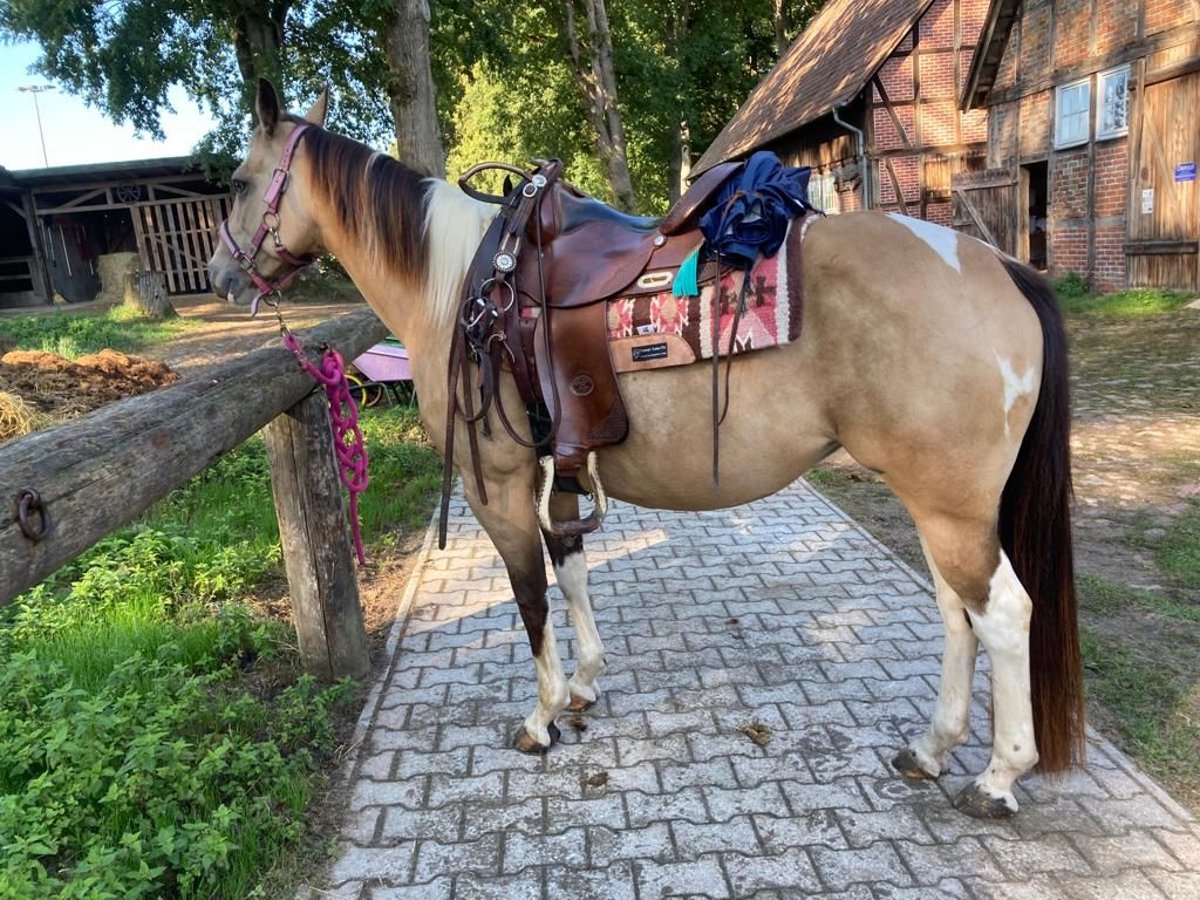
{"x": 385, "y": 365}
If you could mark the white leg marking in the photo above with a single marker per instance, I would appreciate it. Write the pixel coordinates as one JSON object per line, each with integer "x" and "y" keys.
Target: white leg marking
{"x": 572, "y": 578}
{"x": 942, "y": 241}
{"x": 1003, "y": 629}
{"x": 552, "y": 688}
{"x": 1015, "y": 386}
{"x": 951, "y": 714}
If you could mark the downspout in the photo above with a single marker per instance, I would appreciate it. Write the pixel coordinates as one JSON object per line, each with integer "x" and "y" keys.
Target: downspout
{"x": 862, "y": 154}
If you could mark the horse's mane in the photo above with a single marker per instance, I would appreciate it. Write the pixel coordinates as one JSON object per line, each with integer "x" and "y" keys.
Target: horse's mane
{"x": 422, "y": 228}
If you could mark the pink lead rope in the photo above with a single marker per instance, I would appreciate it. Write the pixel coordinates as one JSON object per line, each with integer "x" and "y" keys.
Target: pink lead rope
{"x": 343, "y": 415}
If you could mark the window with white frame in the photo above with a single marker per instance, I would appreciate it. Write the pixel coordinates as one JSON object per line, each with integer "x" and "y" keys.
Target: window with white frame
{"x": 1072, "y": 108}
{"x": 1112, "y": 116}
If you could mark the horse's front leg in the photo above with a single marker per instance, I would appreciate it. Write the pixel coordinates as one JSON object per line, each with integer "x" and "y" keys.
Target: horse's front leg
{"x": 570, "y": 570}
{"x": 510, "y": 519}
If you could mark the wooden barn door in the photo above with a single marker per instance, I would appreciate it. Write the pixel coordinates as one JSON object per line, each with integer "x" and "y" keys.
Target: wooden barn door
{"x": 1164, "y": 201}
{"x": 178, "y": 237}
{"x": 984, "y": 205}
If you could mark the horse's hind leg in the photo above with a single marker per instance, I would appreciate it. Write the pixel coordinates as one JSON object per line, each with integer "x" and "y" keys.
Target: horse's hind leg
{"x": 926, "y": 756}
{"x": 965, "y": 553}
{"x": 570, "y": 570}
{"x": 511, "y": 522}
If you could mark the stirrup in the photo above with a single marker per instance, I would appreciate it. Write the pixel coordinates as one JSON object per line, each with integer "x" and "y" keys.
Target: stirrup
{"x": 580, "y": 526}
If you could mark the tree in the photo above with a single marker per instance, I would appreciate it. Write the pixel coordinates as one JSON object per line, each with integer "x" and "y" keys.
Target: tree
{"x": 411, "y": 89}
{"x": 597, "y": 81}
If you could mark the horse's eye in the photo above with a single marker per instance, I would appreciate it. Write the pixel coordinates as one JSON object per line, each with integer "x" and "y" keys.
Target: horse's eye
{"x": 239, "y": 187}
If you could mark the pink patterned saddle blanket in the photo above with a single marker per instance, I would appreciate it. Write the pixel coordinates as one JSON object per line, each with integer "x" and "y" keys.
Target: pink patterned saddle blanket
{"x": 659, "y": 330}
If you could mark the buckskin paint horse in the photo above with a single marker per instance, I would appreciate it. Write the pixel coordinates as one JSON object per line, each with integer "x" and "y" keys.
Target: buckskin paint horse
{"x": 932, "y": 359}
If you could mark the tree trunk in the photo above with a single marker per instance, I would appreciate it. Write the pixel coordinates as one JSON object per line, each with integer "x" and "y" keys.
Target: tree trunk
{"x": 411, "y": 93}
{"x": 780, "y": 19}
{"x": 147, "y": 293}
{"x": 257, "y": 44}
{"x": 598, "y": 83}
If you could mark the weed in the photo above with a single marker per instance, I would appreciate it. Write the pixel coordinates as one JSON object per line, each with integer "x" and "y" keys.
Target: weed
{"x": 1071, "y": 286}
{"x": 1105, "y": 598}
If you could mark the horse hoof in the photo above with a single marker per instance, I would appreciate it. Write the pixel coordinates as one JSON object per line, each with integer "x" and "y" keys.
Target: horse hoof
{"x": 580, "y": 704}
{"x": 907, "y": 764}
{"x": 972, "y": 801}
{"x": 527, "y": 743}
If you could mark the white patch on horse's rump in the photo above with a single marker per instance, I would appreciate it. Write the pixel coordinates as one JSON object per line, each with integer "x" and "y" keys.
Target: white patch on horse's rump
{"x": 942, "y": 241}
{"x": 1015, "y": 386}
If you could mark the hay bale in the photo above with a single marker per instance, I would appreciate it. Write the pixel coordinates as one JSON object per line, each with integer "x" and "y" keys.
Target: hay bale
{"x": 112, "y": 269}
{"x": 18, "y": 418}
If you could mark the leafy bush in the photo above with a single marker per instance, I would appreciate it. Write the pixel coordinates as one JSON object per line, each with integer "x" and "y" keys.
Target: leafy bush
{"x": 1071, "y": 286}
{"x": 165, "y": 781}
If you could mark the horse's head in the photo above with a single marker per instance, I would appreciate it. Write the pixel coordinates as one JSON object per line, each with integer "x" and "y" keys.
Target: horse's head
{"x": 270, "y": 233}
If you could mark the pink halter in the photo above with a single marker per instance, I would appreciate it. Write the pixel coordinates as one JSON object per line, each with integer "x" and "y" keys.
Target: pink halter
{"x": 269, "y": 225}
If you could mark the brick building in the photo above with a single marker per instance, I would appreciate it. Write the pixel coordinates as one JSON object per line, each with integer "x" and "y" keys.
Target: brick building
{"x": 1093, "y": 141}
{"x": 868, "y": 96}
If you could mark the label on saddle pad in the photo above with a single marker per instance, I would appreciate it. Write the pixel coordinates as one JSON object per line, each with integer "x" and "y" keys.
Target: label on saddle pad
{"x": 661, "y": 330}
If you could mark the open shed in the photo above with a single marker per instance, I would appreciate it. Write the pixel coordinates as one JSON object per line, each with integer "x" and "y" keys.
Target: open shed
{"x": 58, "y": 226}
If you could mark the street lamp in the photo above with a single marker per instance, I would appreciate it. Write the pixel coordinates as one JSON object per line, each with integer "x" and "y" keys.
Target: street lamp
{"x": 36, "y": 89}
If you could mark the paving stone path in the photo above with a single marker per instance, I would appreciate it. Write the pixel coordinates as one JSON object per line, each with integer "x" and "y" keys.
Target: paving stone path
{"x": 782, "y": 619}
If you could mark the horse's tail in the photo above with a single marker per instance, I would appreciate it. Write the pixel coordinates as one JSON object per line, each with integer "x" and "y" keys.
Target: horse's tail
{"x": 1035, "y": 531}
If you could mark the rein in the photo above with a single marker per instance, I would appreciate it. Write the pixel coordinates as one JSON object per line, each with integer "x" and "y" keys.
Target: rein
{"x": 269, "y": 225}
{"x": 489, "y": 329}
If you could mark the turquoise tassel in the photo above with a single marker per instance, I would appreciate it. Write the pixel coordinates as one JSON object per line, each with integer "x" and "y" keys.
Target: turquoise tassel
{"x": 686, "y": 282}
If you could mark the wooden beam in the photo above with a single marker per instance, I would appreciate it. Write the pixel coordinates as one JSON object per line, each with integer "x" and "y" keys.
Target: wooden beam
{"x": 104, "y": 469}
{"x": 891, "y": 170}
{"x": 39, "y": 270}
{"x": 887, "y": 105}
{"x": 322, "y": 583}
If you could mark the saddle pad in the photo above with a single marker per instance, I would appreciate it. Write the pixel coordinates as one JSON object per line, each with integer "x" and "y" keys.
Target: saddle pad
{"x": 660, "y": 330}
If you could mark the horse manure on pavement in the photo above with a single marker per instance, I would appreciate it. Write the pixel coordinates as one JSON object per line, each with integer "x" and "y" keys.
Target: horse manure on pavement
{"x": 758, "y": 732}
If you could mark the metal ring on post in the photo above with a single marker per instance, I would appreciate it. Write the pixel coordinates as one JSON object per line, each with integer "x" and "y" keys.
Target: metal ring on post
{"x": 29, "y": 505}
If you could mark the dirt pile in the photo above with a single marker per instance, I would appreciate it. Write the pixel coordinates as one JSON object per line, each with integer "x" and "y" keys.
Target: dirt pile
{"x": 62, "y": 388}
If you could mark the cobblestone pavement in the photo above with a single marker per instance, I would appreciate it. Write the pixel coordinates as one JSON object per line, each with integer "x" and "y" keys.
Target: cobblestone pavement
{"x": 782, "y": 614}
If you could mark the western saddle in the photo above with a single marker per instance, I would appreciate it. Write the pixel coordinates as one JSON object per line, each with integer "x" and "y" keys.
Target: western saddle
{"x": 535, "y": 303}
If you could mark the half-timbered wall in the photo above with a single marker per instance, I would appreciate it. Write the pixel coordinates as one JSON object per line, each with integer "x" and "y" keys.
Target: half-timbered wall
{"x": 919, "y": 138}
{"x": 1100, "y": 222}
{"x": 915, "y": 136}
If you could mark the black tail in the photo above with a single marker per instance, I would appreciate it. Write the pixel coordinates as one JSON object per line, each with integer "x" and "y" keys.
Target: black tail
{"x": 1035, "y": 531}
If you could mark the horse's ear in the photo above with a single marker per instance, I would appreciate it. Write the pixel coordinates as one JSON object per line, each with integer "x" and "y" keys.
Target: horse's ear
{"x": 266, "y": 105}
{"x": 319, "y": 110}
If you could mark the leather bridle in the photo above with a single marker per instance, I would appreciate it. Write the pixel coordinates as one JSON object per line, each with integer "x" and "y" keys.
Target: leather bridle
{"x": 270, "y": 225}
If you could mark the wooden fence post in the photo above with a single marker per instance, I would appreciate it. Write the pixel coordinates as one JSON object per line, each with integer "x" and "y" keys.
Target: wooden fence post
{"x": 316, "y": 545}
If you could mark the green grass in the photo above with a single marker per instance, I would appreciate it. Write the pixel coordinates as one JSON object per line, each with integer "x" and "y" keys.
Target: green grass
{"x": 75, "y": 334}
{"x": 1076, "y": 299}
{"x": 155, "y": 739}
{"x": 1179, "y": 553}
{"x": 1106, "y": 598}
{"x": 1151, "y": 708}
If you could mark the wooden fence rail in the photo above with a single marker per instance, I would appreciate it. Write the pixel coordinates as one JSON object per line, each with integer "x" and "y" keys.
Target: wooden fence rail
{"x": 103, "y": 470}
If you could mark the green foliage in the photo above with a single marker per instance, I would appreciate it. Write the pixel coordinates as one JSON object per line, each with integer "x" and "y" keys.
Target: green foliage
{"x": 1071, "y": 286}
{"x": 75, "y": 334}
{"x": 135, "y": 759}
{"x": 165, "y": 780}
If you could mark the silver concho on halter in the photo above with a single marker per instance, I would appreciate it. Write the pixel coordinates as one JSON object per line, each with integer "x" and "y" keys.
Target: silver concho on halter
{"x": 504, "y": 261}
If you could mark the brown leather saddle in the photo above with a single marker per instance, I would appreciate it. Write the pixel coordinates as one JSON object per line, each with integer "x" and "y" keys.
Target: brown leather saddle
{"x": 535, "y": 303}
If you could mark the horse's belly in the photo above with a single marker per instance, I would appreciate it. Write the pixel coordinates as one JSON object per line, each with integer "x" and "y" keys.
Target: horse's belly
{"x": 771, "y": 435}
